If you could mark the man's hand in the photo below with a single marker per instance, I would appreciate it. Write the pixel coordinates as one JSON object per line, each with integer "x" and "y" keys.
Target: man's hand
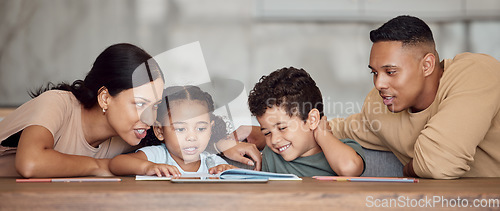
{"x": 238, "y": 152}
{"x": 408, "y": 170}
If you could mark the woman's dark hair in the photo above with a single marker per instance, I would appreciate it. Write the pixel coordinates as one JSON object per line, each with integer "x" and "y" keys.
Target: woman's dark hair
{"x": 114, "y": 69}
{"x": 290, "y": 88}
{"x": 174, "y": 93}
{"x": 407, "y": 29}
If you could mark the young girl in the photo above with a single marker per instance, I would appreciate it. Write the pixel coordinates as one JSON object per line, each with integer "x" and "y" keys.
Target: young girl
{"x": 186, "y": 125}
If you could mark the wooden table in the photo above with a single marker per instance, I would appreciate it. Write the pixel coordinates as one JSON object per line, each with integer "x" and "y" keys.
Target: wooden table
{"x": 309, "y": 194}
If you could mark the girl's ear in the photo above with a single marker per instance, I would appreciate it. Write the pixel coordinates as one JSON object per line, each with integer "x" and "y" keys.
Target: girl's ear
{"x": 158, "y": 130}
{"x": 313, "y": 119}
{"x": 212, "y": 124}
{"x": 103, "y": 98}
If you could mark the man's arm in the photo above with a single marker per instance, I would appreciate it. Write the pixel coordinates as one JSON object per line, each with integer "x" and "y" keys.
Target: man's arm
{"x": 362, "y": 126}
{"x": 448, "y": 144}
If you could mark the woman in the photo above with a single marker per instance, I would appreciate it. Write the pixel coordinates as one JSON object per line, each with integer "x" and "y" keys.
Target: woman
{"x": 72, "y": 130}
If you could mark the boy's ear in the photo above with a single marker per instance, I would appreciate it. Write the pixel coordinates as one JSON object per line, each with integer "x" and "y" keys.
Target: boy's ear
{"x": 158, "y": 130}
{"x": 313, "y": 119}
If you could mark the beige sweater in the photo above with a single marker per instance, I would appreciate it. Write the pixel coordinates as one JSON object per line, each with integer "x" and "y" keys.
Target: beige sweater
{"x": 60, "y": 113}
{"x": 458, "y": 135}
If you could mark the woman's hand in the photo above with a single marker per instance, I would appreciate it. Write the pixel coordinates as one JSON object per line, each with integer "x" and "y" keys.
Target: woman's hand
{"x": 240, "y": 151}
{"x": 220, "y": 168}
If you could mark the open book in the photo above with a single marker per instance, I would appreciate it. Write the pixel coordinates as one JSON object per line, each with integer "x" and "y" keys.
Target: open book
{"x": 234, "y": 175}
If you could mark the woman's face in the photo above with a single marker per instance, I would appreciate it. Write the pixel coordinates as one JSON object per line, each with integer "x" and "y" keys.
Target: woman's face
{"x": 189, "y": 131}
{"x": 132, "y": 112}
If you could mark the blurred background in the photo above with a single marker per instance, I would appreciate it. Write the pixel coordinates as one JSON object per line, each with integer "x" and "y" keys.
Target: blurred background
{"x": 57, "y": 40}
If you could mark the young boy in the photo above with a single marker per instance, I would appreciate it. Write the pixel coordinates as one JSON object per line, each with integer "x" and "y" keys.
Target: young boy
{"x": 289, "y": 108}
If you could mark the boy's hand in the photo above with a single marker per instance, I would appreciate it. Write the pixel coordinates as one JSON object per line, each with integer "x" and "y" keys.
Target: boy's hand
{"x": 323, "y": 129}
{"x": 238, "y": 152}
{"x": 162, "y": 170}
{"x": 220, "y": 168}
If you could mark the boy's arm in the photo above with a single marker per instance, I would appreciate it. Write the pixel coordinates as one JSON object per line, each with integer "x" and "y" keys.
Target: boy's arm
{"x": 342, "y": 158}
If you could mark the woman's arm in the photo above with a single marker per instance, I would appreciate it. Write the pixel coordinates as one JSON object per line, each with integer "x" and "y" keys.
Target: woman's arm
{"x": 129, "y": 164}
{"x": 36, "y": 157}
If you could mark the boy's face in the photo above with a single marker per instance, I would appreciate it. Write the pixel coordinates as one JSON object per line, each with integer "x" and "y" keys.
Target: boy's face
{"x": 287, "y": 136}
{"x": 187, "y": 136}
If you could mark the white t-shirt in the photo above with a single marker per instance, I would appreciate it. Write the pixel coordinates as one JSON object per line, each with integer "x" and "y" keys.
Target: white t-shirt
{"x": 159, "y": 154}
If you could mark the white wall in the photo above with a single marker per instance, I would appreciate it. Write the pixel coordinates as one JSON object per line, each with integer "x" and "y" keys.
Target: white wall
{"x": 57, "y": 40}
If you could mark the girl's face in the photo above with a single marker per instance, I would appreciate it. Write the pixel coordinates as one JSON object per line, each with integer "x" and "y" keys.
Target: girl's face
{"x": 131, "y": 112}
{"x": 189, "y": 130}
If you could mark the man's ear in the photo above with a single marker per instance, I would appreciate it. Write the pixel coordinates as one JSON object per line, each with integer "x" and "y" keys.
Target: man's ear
{"x": 158, "y": 130}
{"x": 103, "y": 98}
{"x": 313, "y": 119}
{"x": 428, "y": 64}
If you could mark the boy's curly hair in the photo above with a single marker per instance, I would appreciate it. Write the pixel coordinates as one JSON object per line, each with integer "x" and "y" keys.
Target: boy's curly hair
{"x": 290, "y": 88}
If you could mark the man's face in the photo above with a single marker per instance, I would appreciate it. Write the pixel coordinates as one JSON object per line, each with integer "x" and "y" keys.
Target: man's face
{"x": 396, "y": 74}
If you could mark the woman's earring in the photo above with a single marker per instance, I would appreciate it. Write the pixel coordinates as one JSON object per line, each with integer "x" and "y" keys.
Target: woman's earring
{"x": 104, "y": 110}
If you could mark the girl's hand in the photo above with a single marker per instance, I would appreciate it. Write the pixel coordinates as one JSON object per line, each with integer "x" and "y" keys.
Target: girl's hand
{"x": 162, "y": 170}
{"x": 220, "y": 168}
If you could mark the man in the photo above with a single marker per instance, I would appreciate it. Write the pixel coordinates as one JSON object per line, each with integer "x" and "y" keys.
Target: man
{"x": 440, "y": 119}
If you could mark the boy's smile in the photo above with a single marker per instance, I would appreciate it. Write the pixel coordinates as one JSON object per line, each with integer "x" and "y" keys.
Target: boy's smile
{"x": 287, "y": 136}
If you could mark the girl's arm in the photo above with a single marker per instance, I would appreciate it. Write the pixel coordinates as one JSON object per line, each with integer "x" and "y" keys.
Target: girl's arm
{"x": 36, "y": 157}
{"x": 137, "y": 164}
{"x": 342, "y": 158}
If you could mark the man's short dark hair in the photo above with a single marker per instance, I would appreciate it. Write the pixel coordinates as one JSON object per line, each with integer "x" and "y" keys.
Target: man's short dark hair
{"x": 291, "y": 89}
{"x": 407, "y": 29}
